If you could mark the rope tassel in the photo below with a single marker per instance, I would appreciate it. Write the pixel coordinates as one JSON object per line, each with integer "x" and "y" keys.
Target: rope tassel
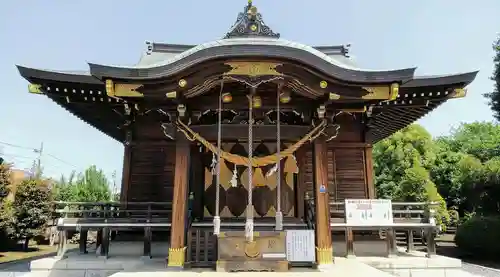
{"x": 279, "y": 221}
{"x": 249, "y": 229}
{"x": 216, "y": 225}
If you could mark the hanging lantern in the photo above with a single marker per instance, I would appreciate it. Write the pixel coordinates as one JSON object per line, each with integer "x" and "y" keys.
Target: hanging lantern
{"x": 285, "y": 97}
{"x": 227, "y": 97}
{"x": 257, "y": 102}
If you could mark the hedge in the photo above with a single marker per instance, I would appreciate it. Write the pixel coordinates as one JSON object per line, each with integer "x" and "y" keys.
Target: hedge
{"x": 479, "y": 236}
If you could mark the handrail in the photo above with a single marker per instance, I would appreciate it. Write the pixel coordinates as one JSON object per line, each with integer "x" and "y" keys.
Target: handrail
{"x": 336, "y": 203}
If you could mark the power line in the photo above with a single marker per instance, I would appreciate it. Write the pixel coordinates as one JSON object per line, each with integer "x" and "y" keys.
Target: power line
{"x": 17, "y": 146}
{"x": 39, "y": 151}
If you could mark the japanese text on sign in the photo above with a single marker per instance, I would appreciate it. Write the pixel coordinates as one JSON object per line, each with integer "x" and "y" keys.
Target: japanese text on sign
{"x": 300, "y": 246}
{"x": 368, "y": 212}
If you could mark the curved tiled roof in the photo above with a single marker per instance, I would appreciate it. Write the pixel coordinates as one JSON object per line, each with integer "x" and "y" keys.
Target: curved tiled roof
{"x": 252, "y": 47}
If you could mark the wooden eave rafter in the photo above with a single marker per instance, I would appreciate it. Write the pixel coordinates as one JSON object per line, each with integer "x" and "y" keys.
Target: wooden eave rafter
{"x": 412, "y": 103}
{"x": 415, "y": 98}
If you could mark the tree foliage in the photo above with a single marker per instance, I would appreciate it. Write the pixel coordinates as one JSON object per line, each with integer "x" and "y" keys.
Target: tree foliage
{"x": 5, "y": 171}
{"x": 92, "y": 185}
{"x": 494, "y": 96}
{"x": 460, "y": 171}
{"x": 30, "y": 210}
{"x": 402, "y": 164}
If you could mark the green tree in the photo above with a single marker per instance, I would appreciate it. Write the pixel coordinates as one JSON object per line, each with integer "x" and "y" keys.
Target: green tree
{"x": 92, "y": 185}
{"x": 64, "y": 188}
{"x": 402, "y": 164}
{"x": 494, "y": 96}
{"x": 411, "y": 147}
{"x": 30, "y": 210}
{"x": 479, "y": 139}
{"x": 4, "y": 192}
{"x": 5, "y": 170}
{"x": 489, "y": 199}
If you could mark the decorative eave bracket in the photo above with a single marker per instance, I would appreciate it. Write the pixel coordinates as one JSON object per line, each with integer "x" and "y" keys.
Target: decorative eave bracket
{"x": 250, "y": 24}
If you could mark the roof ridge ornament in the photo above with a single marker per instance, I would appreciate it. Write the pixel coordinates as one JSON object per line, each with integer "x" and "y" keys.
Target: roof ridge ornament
{"x": 250, "y": 24}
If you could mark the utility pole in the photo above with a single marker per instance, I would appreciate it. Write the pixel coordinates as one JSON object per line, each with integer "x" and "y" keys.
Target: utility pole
{"x": 37, "y": 170}
{"x": 113, "y": 193}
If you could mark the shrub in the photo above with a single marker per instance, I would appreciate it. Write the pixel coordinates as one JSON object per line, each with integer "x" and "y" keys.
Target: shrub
{"x": 454, "y": 218}
{"x": 479, "y": 236}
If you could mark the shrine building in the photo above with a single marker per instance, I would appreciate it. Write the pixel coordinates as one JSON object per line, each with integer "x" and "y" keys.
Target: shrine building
{"x": 269, "y": 120}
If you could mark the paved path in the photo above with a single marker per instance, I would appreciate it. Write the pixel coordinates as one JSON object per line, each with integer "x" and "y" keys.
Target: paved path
{"x": 480, "y": 270}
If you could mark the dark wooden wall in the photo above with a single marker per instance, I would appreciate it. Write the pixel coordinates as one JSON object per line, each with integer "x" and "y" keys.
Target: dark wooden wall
{"x": 348, "y": 164}
{"x": 151, "y": 174}
{"x": 152, "y": 159}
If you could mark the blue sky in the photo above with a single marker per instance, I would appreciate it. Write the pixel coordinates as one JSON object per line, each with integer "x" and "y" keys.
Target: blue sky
{"x": 437, "y": 36}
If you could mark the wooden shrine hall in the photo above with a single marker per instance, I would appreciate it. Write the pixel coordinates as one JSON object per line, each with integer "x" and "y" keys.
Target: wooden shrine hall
{"x": 244, "y": 127}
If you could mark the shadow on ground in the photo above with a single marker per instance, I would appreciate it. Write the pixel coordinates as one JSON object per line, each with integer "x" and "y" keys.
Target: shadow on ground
{"x": 446, "y": 246}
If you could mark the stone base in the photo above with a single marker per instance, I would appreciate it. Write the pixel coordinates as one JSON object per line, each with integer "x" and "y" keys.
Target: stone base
{"x": 245, "y": 266}
{"x": 126, "y": 267}
{"x": 90, "y": 265}
{"x": 416, "y": 264}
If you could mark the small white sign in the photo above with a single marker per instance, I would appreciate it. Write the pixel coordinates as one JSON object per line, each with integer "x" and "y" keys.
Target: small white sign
{"x": 273, "y": 255}
{"x": 300, "y": 246}
{"x": 368, "y": 212}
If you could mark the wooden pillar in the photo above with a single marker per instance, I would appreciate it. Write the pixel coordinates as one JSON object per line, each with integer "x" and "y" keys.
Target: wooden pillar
{"x": 181, "y": 180}
{"x": 324, "y": 254}
{"x": 370, "y": 185}
{"x": 127, "y": 153}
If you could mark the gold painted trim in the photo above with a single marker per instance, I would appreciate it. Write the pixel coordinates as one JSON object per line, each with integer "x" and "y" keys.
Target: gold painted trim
{"x": 394, "y": 91}
{"x": 333, "y": 96}
{"x": 377, "y": 93}
{"x": 122, "y": 90}
{"x": 176, "y": 257}
{"x": 171, "y": 94}
{"x": 182, "y": 83}
{"x": 459, "y": 93}
{"x": 324, "y": 255}
{"x": 35, "y": 88}
{"x": 362, "y": 110}
{"x": 253, "y": 69}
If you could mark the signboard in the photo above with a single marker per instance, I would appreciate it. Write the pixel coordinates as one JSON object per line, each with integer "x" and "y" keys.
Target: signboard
{"x": 368, "y": 212}
{"x": 300, "y": 246}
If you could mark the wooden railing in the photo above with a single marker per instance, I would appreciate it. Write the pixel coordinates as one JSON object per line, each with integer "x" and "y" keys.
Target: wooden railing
{"x": 106, "y": 217}
{"x": 201, "y": 247}
{"x": 412, "y": 218}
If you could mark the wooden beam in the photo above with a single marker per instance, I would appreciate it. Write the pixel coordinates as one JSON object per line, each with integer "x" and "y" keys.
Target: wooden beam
{"x": 335, "y": 144}
{"x": 324, "y": 254}
{"x": 260, "y": 132}
{"x": 181, "y": 181}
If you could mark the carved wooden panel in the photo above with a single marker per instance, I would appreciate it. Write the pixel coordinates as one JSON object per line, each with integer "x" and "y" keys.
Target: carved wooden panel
{"x": 351, "y": 128}
{"x": 233, "y": 200}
